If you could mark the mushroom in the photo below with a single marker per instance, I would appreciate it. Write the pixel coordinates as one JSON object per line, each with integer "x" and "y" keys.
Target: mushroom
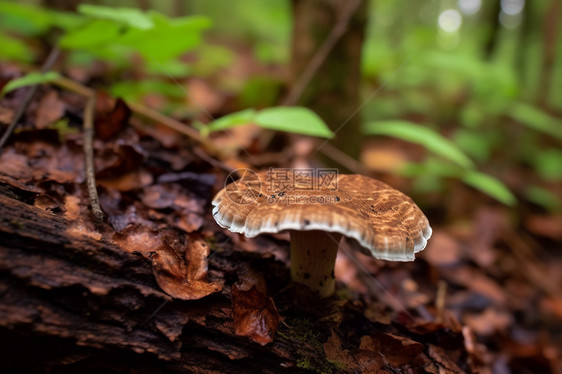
{"x": 318, "y": 211}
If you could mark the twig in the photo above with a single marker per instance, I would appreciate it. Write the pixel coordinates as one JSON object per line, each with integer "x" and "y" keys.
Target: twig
{"x": 89, "y": 156}
{"x": 440, "y": 300}
{"x": 88, "y": 140}
{"x": 47, "y": 65}
{"x": 320, "y": 56}
{"x": 173, "y": 124}
{"x": 342, "y": 158}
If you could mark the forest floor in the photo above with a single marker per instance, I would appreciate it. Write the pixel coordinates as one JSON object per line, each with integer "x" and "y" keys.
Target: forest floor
{"x": 485, "y": 295}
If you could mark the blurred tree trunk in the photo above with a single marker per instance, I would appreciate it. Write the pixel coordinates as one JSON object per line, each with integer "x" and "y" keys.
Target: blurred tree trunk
{"x": 494, "y": 29}
{"x": 549, "y": 36}
{"x": 333, "y": 92}
{"x": 67, "y": 5}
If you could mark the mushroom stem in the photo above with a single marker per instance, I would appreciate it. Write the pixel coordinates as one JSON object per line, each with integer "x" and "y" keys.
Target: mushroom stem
{"x": 313, "y": 257}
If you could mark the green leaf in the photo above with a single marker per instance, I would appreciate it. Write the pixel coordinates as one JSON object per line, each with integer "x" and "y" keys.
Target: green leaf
{"x": 490, "y": 186}
{"x": 548, "y": 164}
{"x": 297, "y": 120}
{"x": 28, "y": 80}
{"x": 95, "y": 34}
{"x": 133, "y": 90}
{"x": 437, "y": 168}
{"x": 13, "y": 49}
{"x": 536, "y": 119}
{"x": 543, "y": 197}
{"x": 234, "y": 119}
{"x": 32, "y": 20}
{"x": 431, "y": 166}
{"x": 129, "y": 16}
{"x": 428, "y": 138}
{"x": 26, "y": 19}
{"x": 168, "y": 38}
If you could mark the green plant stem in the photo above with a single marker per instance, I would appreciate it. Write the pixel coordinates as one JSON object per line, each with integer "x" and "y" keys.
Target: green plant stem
{"x": 47, "y": 65}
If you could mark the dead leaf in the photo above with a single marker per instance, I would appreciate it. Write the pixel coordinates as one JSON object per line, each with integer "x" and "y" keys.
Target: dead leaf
{"x": 137, "y": 238}
{"x": 489, "y": 322}
{"x": 6, "y": 115}
{"x": 397, "y": 351}
{"x": 183, "y": 276}
{"x": 446, "y": 365}
{"x": 109, "y": 124}
{"x": 356, "y": 361}
{"x": 254, "y": 313}
{"x": 548, "y": 226}
{"x": 127, "y": 182}
{"x": 49, "y": 110}
{"x": 476, "y": 280}
{"x": 71, "y": 207}
{"x": 383, "y": 159}
{"x": 46, "y": 202}
{"x": 442, "y": 250}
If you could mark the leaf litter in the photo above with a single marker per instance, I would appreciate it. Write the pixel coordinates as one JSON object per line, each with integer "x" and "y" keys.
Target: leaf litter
{"x": 498, "y": 313}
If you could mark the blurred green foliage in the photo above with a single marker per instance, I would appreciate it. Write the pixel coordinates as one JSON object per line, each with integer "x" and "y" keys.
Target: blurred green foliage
{"x": 470, "y": 95}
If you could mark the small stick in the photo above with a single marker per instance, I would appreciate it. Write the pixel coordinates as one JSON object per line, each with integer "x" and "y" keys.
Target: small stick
{"x": 47, "y": 65}
{"x": 89, "y": 156}
{"x": 173, "y": 124}
{"x": 440, "y": 300}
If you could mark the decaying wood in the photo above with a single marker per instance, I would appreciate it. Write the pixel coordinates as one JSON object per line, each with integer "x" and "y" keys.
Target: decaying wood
{"x": 72, "y": 302}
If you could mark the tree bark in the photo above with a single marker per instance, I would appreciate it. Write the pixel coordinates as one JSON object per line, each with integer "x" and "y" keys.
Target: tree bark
{"x": 73, "y": 303}
{"x": 333, "y": 92}
{"x": 550, "y": 45}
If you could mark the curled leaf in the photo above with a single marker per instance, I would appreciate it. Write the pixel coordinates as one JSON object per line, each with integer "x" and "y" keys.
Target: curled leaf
{"x": 254, "y": 313}
{"x": 184, "y": 276}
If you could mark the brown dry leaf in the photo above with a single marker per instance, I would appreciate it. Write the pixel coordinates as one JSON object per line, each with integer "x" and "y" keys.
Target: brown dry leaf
{"x": 121, "y": 157}
{"x": 6, "y": 115}
{"x": 72, "y": 207}
{"x": 50, "y": 109}
{"x": 552, "y": 306}
{"x": 127, "y": 182}
{"x": 111, "y": 123}
{"x": 548, "y": 226}
{"x": 358, "y": 361}
{"x": 207, "y": 95}
{"x": 397, "y": 351}
{"x": 46, "y": 202}
{"x": 383, "y": 159}
{"x": 446, "y": 365}
{"x": 489, "y": 322}
{"x": 479, "y": 358}
{"x": 184, "y": 276}
{"x": 15, "y": 165}
{"x": 377, "y": 312}
{"x": 254, "y": 313}
{"x": 442, "y": 250}
{"x": 137, "y": 238}
{"x": 476, "y": 280}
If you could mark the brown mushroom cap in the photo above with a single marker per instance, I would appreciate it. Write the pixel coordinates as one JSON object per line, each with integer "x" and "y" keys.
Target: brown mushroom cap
{"x": 385, "y": 223}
